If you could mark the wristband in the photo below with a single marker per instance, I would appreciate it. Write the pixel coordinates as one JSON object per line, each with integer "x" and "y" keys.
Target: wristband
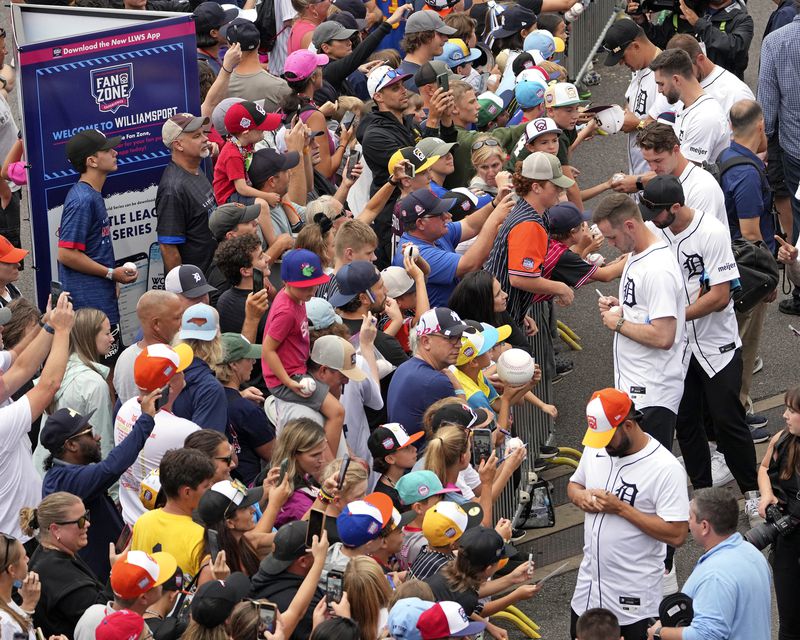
{"x": 110, "y": 274}
{"x": 639, "y": 183}
{"x": 324, "y": 497}
{"x": 48, "y": 328}
{"x": 225, "y": 70}
{"x": 460, "y": 392}
{"x": 620, "y": 322}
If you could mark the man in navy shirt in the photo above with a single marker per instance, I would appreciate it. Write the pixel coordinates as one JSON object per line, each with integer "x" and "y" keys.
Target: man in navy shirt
{"x": 85, "y": 251}
{"x": 748, "y": 201}
{"x": 423, "y": 379}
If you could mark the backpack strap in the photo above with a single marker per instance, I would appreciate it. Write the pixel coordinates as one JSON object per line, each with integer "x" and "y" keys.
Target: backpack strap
{"x": 737, "y": 161}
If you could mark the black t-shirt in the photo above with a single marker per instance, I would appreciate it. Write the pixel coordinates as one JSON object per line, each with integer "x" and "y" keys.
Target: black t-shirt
{"x": 248, "y": 428}
{"x": 231, "y": 307}
{"x": 382, "y": 487}
{"x": 184, "y": 201}
{"x": 442, "y": 591}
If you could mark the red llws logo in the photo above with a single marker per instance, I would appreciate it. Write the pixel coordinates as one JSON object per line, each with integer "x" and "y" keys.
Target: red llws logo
{"x": 592, "y": 422}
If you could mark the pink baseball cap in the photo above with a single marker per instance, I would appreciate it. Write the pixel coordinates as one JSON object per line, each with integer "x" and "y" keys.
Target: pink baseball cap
{"x": 302, "y": 63}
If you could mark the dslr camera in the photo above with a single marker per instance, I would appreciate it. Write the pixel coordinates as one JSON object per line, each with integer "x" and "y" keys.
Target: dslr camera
{"x": 655, "y": 6}
{"x": 778, "y": 524}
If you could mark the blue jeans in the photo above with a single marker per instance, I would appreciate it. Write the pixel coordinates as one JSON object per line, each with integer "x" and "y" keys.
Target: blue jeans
{"x": 791, "y": 169}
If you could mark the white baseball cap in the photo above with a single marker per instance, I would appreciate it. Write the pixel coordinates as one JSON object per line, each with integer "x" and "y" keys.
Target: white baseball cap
{"x": 562, "y": 94}
{"x": 397, "y": 281}
{"x": 337, "y": 353}
{"x": 609, "y": 118}
{"x": 540, "y": 126}
{"x": 382, "y": 77}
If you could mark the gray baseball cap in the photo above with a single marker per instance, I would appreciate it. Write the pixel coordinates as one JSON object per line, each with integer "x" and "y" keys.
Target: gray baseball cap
{"x": 435, "y": 147}
{"x": 427, "y": 21}
{"x": 228, "y": 216}
{"x": 328, "y": 31}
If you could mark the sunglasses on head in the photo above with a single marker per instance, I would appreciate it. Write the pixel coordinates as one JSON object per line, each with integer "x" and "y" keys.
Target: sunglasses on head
{"x": 9, "y": 540}
{"x": 490, "y": 142}
{"x": 81, "y": 522}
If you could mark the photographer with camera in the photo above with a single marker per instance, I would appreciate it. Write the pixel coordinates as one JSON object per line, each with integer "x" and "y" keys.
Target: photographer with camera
{"x": 723, "y": 26}
{"x": 730, "y": 586}
{"x": 779, "y": 483}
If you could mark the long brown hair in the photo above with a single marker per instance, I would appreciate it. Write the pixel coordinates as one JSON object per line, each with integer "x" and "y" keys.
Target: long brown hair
{"x": 792, "y": 464}
{"x": 445, "y": 449}
{"x": 461, "y": 575}
{"x": 366, "y": 585}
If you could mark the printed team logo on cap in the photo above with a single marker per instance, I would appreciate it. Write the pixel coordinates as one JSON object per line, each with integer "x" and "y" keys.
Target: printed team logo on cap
{"x": 423, "y": 489}
{"x": 450, "y": 532}
{"x": 592, "y": 422}
{"x": 388, "y": 444}
{"x": 572, "y": 92}
{"x": 112, "y": 87}
{"x": 307, "y": 269}
{"x": 245, "y": 123}
{"x": 419, "y": 208}
{"x": 540, "y": 123}
{"x": 549, "y": 97}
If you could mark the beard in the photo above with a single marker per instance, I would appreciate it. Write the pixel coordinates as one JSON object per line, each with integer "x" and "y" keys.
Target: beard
{"x": 90, "y": 452}
{"x": 621, "y": 449}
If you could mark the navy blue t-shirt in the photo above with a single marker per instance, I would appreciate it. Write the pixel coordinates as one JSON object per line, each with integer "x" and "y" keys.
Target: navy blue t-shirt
{"x": 248, "y": 428}
{"x": 415, "y": 386}
{"x": 85, "y": 226}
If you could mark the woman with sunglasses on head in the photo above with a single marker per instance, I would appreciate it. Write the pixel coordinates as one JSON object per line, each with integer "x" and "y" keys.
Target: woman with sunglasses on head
{"x": 16, "y": 618}
{"x": 69, "y": 586}
{"x": 488, "y": 158}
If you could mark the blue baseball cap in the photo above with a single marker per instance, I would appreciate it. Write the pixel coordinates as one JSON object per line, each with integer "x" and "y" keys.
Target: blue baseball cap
{"x": 543, "y": 42}
{"x": 565, "y": 216}
{"x": 321, "y": 314}
{"x": 199, "y": 322}
{"x": 352, "y": 279}
{"x": 362, "y": 520}
{"x": 420, "y": 204}
{"x": 302, "y": 268}
{"x": 403, "y": 618}
{"x": 456, "y": 52}
{"x": 530, "y": 93}
{"x": 515, "y": 19}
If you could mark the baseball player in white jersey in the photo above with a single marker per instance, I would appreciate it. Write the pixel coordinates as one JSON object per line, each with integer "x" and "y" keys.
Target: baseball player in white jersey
{"x": 634, "y": 494}
{"x": 647, "y": 317}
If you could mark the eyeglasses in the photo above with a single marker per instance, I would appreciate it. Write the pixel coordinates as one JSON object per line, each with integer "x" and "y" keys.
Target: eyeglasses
{"x": 227, "y": 459}
{"x": 8, "y": 540}
{"x": 81, "y": 522}
{"x": 489, "y": 142}
{"x": 80, "y": 433}
{"x": 450, "y": 339}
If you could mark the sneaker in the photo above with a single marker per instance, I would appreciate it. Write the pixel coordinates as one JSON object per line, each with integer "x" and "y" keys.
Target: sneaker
{"x": 756, "y": 420}
{"x": 751, "y": 509}
{"x": 759, "y": 434}
{"x": 546, "y": 451}
{"x": 670, "y": 583}
{"x": 790, "y": 306}
{"x": 518, "y": 534}
{"x": 720, "y": 474}
{"x": 758, "y": 365}
{"x": 539, "y": 464}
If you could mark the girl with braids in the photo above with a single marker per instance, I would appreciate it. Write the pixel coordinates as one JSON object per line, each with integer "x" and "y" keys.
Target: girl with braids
{"x": 16, "y": 618}
{"x": 69, "y": 586}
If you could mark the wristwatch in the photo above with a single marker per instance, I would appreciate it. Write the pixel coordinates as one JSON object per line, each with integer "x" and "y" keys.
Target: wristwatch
{"x": 641, "y": 125}
{"x": 110, "y": 274}
{"x": 657, "y": 634}
{"x": 639, "y": 183}
{"x": 620, "y": 322}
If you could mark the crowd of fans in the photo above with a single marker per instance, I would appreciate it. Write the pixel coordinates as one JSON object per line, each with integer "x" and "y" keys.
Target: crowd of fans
{"x": 371, "y": 207}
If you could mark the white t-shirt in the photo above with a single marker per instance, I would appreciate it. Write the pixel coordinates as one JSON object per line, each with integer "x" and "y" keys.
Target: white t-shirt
{"x": 703, "y": 251}
{"x": 277, "y": 57}
{"x": 702, "y": 130}
{"x": 20, "y": 485}
{"x": 123, "y": 373}
{"x": 643, "y": 100}
{"x": 169, "y": 433}
{"x": 651, "y": 287}
{"x": 91, "y": 619}
{"x": 9, "y": 626}
{"x": 622, "y": 567}
{"x": 725, "y": 88}
{"x": 702, "y": 192}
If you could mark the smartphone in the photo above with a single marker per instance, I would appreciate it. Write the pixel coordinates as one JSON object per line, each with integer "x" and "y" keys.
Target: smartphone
{"x": 155, "y": 268}
{"x": 343, "y": 470}
{"x": 55, "y": 291}
{"x": 267, "y": 616}
{"x": 348, "y": 119}
{"x": 258, "y": 280}
{"x": 124, "y": 538}
{"x": 352, "y": 161}
{"x": 163, "y": 398}
{"x": 481, "y": 445}
{"x": 316, "y": 521}
{"x": 129, "y": 295}
{"x": 284, "y": 468}
{"x": 443, "y": 80}
{"x": 333, "y": 587}
{"x": 409, "y": 169}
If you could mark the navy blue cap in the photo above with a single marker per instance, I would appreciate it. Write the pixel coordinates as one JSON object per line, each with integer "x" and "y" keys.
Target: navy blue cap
{"x": 565, "y": 216}
{"x": 242, "y": 31}
{"x": 352, "y": 279}
{"x": 348, "y": 21}
{"x": 302, "y": 268}
{"x": 61, "y": 426}
{"x": 515, "y": 19}
{"x": 210, "y": 15}
{"x": 421, "y": 203}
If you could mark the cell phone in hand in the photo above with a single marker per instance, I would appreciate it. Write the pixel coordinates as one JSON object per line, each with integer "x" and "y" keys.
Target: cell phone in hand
{"x": 55, "y": 291}
{"x": 163, "y": 399}
{"x": 267, "y": 616}
{"x": 258, "y": 280}
{"x": 124, "y": 538}
{"x": 481, "y": 446}
{"x": 352, "y": 161}
{"x": 443, "y": 80}
{"x": 343, "y": 472}
{"x": 284, "y": 467}
{"x": 409, "y": 169}
{"x": 333, "y": 587}
{"x": 348, "y": 119}
{"x": 316, "y": 522}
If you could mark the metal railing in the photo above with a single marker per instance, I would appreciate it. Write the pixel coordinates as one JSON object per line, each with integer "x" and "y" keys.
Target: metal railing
{"x": 587, "y": 33}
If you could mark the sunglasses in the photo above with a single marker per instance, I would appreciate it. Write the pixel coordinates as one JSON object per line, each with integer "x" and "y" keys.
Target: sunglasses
{"x": 655, "y": 206}
{"x": 8, "y": 540}
{"x": 227, "y": 459}
{"x": 346, "y": 213}
{"x": 81, "y": 522}
{"x": 80, "y": 433}
{"x": 489, "y": 142}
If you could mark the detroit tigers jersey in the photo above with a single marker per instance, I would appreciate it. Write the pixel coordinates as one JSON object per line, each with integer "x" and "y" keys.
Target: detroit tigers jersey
{"x": 702, "y": 192}
{"x": 704, "y": 255}
{"x": 651, "y": 288}
{"x": 702, "y": 130}
{"x": 623, "y": 567}
{"x": 643, "y": 100}
{"x": 725, "y": 88}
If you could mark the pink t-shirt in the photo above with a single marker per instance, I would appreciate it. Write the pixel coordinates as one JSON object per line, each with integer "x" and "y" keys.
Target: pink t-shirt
{"x": 287, "y": 324}
{"x": 299, "y": 29}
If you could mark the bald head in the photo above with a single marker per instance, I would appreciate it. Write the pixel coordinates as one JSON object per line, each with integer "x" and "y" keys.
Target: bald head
{"x": 745, "y": 117}
{"x": 159, "y": 313}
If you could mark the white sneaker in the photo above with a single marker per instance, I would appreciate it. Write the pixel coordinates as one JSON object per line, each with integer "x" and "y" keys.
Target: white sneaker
{"x": 720, "y": 474}
{"x": 751, "y": 509}
{"x": 670, "y": 584}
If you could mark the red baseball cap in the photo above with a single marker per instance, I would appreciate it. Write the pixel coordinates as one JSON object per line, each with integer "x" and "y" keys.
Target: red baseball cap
{"x": 9, "y": 254}
{"x": 120, "y": 625}
{"x": 245, "y": 116}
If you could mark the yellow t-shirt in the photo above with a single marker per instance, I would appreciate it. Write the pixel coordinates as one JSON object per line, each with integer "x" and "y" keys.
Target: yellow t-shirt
{"x": 176, "y": 534}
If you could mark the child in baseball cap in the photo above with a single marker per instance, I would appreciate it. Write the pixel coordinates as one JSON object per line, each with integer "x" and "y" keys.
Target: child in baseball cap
{"x": 420, "y": 490}
{"x": 393, "y": 454}
{"x": 562, "y": 103}
{"x": 391, "y": 540}
{"x": 443, "y": 526}
{"x": 447, "y": 619}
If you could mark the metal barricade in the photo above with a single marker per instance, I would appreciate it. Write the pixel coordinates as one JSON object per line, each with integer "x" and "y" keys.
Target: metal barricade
{"x": 587, "y": 33}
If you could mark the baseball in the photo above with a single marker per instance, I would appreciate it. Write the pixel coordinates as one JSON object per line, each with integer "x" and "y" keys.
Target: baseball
{"x": 130, "y": 268}
{"x": 308, "y": 385}
{"x": 411, "y": 251}
{"x": 512, "y": 444}
{"x": 616, "y": 309}
{"x": 617, "y": 177}
{"x": 515, "y": 367}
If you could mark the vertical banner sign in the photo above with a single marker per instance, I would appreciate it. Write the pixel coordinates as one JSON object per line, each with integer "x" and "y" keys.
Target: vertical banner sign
{"x": 124, "y": 82}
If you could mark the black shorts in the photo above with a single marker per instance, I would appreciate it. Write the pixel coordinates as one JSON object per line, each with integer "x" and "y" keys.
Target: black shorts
{"x": 240, "y": 199}
{"x": 111, "y": 357}
{"x": 775, "y": 175}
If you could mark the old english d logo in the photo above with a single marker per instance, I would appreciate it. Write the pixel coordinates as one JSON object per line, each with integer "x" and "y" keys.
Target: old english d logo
{"x": 112, "y": 87}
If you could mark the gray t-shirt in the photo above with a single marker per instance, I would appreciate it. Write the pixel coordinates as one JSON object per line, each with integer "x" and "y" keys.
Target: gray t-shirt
{"x": 123, "y": 373}
{"x": 259, "y": 86}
